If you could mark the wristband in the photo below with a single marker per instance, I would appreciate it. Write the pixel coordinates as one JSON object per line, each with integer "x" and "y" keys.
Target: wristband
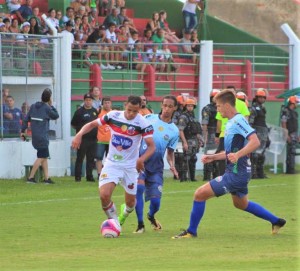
{"x": 217, "y": 134}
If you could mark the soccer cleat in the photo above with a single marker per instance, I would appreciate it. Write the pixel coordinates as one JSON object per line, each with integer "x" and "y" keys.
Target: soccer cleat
{"x": 276, "y": 227}
{"x": 31, "y": 180}
{"x": 122, "y": 217}
{"x": 154, "y": 223}
{"x": 184, "y": 234}
{"x": 49, "y": 181}
{"x": 140, "y": 229}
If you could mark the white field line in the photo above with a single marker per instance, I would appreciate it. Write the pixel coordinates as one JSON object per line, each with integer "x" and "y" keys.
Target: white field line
{"x": 117, "y": 196}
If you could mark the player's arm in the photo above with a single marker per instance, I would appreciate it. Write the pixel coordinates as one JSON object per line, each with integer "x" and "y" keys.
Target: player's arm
{"x": 84, "y": 130}
{"x": 207, "y": 158}
{"x": 148, "y": 153}
{"x": 252, "y": 144}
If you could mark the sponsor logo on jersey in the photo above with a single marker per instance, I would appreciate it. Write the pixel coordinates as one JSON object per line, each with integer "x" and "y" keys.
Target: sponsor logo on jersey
{"x": 121, "y": 142}
{"x": 166, "y": 137}
{"x": 103, "y": 176}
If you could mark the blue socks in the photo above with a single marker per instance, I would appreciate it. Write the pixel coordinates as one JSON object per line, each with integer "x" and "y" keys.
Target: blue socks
{"x": 154, "y": 206}
{"x": 139, "y": 207}
{"x": 196, "y": 215}
{"x": 261, "y": 212}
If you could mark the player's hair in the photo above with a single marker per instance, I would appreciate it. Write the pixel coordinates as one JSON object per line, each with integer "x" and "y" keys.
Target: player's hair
{"x": 171, "y": 97}
{"x": 134, "y": 100}
{"x": 226, "y": 96}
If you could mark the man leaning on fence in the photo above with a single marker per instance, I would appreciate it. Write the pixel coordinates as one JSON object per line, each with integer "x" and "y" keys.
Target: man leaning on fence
{"x": 39, "y": 115}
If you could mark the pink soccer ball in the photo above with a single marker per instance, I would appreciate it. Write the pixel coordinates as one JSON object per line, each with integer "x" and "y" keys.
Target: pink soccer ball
{"x": 110, "y": 228}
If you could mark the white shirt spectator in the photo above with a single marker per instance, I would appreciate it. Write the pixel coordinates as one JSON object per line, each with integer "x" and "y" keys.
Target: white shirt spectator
{"x": 190, "y": 7}
{"x": 111, "y": 36}
{"x": 13, "y": 5}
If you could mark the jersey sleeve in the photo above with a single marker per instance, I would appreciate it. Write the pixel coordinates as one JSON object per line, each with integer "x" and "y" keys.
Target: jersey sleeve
{"x": 146, "y": 128}
{"x": 173, "y": 142}
{"x": 244, "y": 127}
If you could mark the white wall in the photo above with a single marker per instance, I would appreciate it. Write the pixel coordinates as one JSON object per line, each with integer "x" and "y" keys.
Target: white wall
{"x": 15, "y": 154}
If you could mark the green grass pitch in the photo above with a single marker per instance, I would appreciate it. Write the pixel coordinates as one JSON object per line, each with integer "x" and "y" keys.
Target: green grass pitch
{"x": 56, "y": 227}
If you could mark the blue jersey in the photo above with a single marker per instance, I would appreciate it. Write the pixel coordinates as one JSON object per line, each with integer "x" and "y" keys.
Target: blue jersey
{"x": 236, "y": 133}
{"x": 165, "y": 136}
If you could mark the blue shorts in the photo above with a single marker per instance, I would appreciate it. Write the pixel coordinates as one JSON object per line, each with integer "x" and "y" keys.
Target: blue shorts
{"x": 42, "y": 152}
{"x": 100, "y": 150}
{"x": 231, "y": 183}
{"x": 153, "y": 184}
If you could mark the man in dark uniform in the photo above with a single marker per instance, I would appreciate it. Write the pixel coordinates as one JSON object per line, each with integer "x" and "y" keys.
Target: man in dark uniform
{"x": 82, "y": 116}
{"x": 257, "y": 120}
{"x": 180, "y": 163}
{"x": 209, "y": 128}
{"x": 190, "y": 133}
{"x": 289, "y": 121}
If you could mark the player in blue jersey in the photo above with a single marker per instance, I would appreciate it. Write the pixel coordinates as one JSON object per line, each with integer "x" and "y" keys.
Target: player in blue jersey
{"x": 150, "y": 181}
{"x": 240, "y": 140}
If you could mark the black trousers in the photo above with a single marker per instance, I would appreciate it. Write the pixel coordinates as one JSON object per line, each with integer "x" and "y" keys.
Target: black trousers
{"x": 87, "y": 149}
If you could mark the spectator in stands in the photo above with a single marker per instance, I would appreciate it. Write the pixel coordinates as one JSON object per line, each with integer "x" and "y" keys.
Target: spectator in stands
{"x": 85, "y": 27}
{"x": 126, "y": 20}
{"x": 6, "y": 21}
{"x": 156, "y": 58}
{"x": 105, "y": 7}
{"x": 81, "y": 12}
{"x": 14, "y": 27}
{"x": 111, "y": 39}
{"x": 70, "y": 15}
{"x": 119, "y": 5}
{"x": 69, "y": 31}
{"x": 195, "y": 42}
{"x": 76, "y": 5}
{"x": 186, "y": 47}
{"x": 147, "y": 39}
{"x": 132, "y": 39}
{"x": 145, "y": 110}
{"x": 171, "y": 66}
{"x": 53, "y": 20}
{"x": 112, "y": 18}
{"x": 34, "y": 27}
{"x": 13, "y": 5}
{"x": 103, "y": 135}
{"x": 97, "y": 44}
{"x": 82, "y": 116}
{"x": 12, "y": 118}
{"x": 159, "y": 37}
{"x": 122, "y": 43}
{"x": 93, "y": 19}
{"x": 37, "y": 15}
{"x": 169, "y": 35}
{"x": 59, "y": 17}
{"x": 25, "y": 11}
{"x": 154, "y": 24}
{"x": 78, "y": 32}
{"x": 3, "y": 28}
{"x": 189, "y": 13}
{"x": 138, "y": 59}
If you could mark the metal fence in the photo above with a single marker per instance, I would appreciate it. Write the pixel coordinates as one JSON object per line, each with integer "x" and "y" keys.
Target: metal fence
{"x": 246, "y": 66}
{"x": 252, "y": 66}
{"x": 27, "y": 66}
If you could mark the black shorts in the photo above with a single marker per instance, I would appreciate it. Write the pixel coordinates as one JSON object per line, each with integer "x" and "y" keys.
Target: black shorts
{"x": 42, "y": 153}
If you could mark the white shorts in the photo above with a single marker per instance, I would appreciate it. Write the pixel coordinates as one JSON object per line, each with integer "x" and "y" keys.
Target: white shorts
{"x": 117, "y": 173}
